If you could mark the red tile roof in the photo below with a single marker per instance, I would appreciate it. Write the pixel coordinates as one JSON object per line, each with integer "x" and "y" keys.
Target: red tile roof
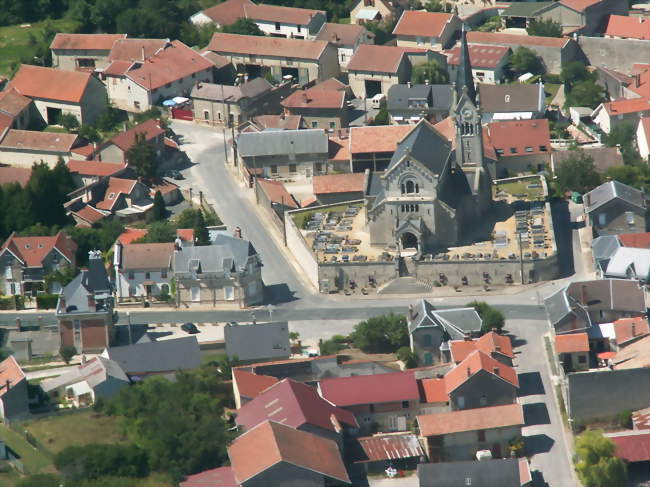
{"x": 293, "y": 404}
{"x": 32, "y": 250}
{"x": 433, "y": 390}
{"x": 217, "y": 477}
{"x": 12, "y": 102}
{"x": 86, "y": 150}
{"x": 67, "y": 86}
{"x": 524, "y": 136}
{"x": 271, "y": 443}
{"x": 164, "y": 186}
{"x": 286, "y": 122}
{"x": 10, "y": 373}
{"x": 10, "y": 174}
{"x": 625, "y": 105}
{"x": 490, "y": 343}
{"x": 277, "y": 192}
{"x": 133, "y": 49}
{"x": 117, "y": 68}
{"x": 125, "y": 140}
{"x": 94, "y": 168}
{"x": 89, "y": 214}
{"x": 116, "y": 187}
{"x": 251, "y": 385}
{"x": 471, "y": 420}
{"x": 571, "y": 343}
{"x": 628, "y": 27}
{"x": 315, "y": 98}
{"x": 90, "y": 42}
{"x": 627, "y": 329}
{"x": 421, "y": 23}
{"x": 173, "y": 62}
{"x": 579, "y": 5}
{"x": 277, "y": 13}
{"x": 339, "y": 148}
{"x": 633, "y": 446}
{"x": 228, "y": 12}
{"x": 130, "y": 235}
{"x": 475, "y": 362}
{"x": 266, "y": 46}
{"x": 339, "y": 183}
{"x": 480, "y": 56}
{"x": 390, "y": 447}
{"x": 515, "y": 39}
{"x": 370, "y": 389}
{"x": 381, "y": 138}
{"x": 341, "y": 34}
{"x": 185, "y": 234}
{"x": 376, "y": 58}
{"x": 38, "y": 141}
{"x": 638, "y": 240}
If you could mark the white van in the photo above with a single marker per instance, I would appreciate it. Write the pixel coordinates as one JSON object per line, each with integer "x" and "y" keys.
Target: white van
{"x": 375, "y": 101}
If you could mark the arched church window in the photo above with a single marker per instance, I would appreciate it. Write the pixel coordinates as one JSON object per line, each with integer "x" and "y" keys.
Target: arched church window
{"x": 410, "y": 187}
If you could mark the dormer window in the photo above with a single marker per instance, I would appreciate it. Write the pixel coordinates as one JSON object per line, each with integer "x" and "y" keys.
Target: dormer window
{"x": 111, "y": 196}
{"x": 40, "y": 246}
{"x": 28, "y": 246}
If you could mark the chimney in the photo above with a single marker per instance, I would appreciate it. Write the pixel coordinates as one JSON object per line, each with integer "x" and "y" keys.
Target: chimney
{"x": 426, "y": 82}
{"x": 8, "y": 384}
{"x": 83, "y": 360}
{"x": 637, "y": 80}
{"x": 245, "y": 77}
{"x": 496, "y": 370}
{"x": 142, "y": 51}
{"x": 467, "y": 338}
{"x": 238, "y": 232}
{"x": 98, "y": 155}
{"x": 469, "y": 372}
{"x": 633, "y": 329}
{"x": 408, "y": 83}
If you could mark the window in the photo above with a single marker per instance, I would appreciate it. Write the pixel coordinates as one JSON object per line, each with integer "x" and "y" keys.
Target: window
{"x": 542, "y": 148}
{"x": 229, "y": 293}
{"x": 318, "y": 167}
{"x": 147, "y": 275}
{"x": 499, "y": 152}
{"x": 582, "y": 359}
{"x": 483, "y": 400}
{"x": 602, "y": 219}
{"x": 368, "y": 3}
{"x": 481, "y": 435}
{"x": 419, "y": 41}
{"x": 513, "y": 150}
{"x": 277, "y": 26}
{"x": 299, "y": 28}
{"x": 86, "y": 63}
{"x": 529, "y": 149}
{"x": 292, "y": 168}
{"x": 206, "y": 115}
{"x": 332, "y": 125}
{"x": 427, "y": 341}
{"x": 314, "y": 124}
{"x": 629, "y": 218}
{"x": 136, "y": 104}
{"x": 405, "y": 404}
{"x": 163, "y": 274}
{"x": 371, "y": 408}
{"x": 193, "y": 75}
{"x": 131, "y": 275}
{"x": 410, "y": 187}
{"x": 274, "y": 169}
{"x": 219, "y": 116}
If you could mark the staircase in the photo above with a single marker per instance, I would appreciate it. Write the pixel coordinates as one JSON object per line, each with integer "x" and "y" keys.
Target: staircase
{"x": 405, "y": 285}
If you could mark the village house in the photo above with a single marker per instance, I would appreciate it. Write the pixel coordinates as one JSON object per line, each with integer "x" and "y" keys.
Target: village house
{"x": 432, "y": 30}
{"x": 299, "y": 406}
{"x": 23, "y": 148}
{"x": 430, "y": 330}
{"x": 85, "y": 173}
{"x": 573, "y": 351}
{"x": 142, "y": 269}
{"x": 389, "y": 401}
{"x": 304, "y": 61}
{"x": 460, "y": 435}
{"x": 257, "y": 341}
{"x": 628, "y": 263}
{"x": 614, "y": 208}
{"x": 371, "y": 147}
{"x": 611, "y": 114}
{"x": 628, "y": 331}
{"x": 16, "y": 110}
{"x": 226, "y": 272}
{"x": 26, "y": 263}
{"x": 522, "y": 146}
{"x": 499, "y": 347}
{"x": 627, "y": 27}
{"x": 517, "y": 101}
{"x": 228, "y": 105}
{"x": 75, "y": 92}
{"x": 272, "y": 453}
{"x": 247, "y": 386}
{"x": 581, "y": 305}
{"x": 14, "y": 396}
{"x": 407, "y": 104}
{"x": 281, "y": 153}
{"x": 273, "y": 20}
{"x": 346, "y": 38}
{"x": 85, "y": 308}
{"x": 374, "y": 69}
{"x": 488, "y": 62}
{"x": 325, "y": 105}
{"x": 510, "y": 472}
{"x": 337, "y": 188}
{"x": 82, "y": 52}
{"x": 480, "y": 381}
{"x": 136, "y": 85}
{"x": 363, "y": 11}
{"x": 116, "y": 148}
{"x": 98, "y": 378}
{"x": 125, "y": 197}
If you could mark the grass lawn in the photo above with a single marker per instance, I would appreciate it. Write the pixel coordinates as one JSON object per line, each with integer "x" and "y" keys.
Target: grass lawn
{"x": 9, "y": 479}
{"x": 57, "y": 432}
{"x": 551, "y": 90}
{"x": 56, "y": 129}
{"x": 521, "y": 187}
{"x": 33, "y": 459}
{"x": 14, "y": 41}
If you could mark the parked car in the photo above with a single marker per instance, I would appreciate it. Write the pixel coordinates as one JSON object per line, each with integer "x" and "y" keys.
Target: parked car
{"x": 174, "y": 174}
{"x": 190, "y": 328}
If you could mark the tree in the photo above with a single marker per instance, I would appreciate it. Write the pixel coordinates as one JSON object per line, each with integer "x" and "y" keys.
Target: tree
{"x": 574, "y": 72}
{"x": 62, "y": 276}
{"x": 409, "y": 359}
{"x": 586, "y": 93}
{"x": 93, "y": 461}
{"x": 431, "y": 71}
{"x": 330, "y": 347}
{"x": 47, "y": 191}
{"x": 109, "y": 118}
{"x": 69, "y": 122}
{"x": 381, "y": 118}
{"x": 623, "y": 135}
{"x": 159, "y": 232}
{"x": 142, "y": 156}
{"x": 544, "y": 28}
{"x": 201, "y": 234}
{"x": 492, "y": 318}
{"x": 490, "y": 25}
{"x": 596, "y": 463}
{"x": 67, "y": 352}
{"x": 243, "y": 26}
{"x": 89, "y": 133}
{"x": 577, "y": 173}
{"x": 159, "y": 211}
{"x": 381, "y": 334}
{"x": 525, "y": 60}
{"x": 435, "y": 6}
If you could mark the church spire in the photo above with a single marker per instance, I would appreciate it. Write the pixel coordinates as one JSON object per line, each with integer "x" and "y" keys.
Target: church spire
{"x": 464, "y": 74}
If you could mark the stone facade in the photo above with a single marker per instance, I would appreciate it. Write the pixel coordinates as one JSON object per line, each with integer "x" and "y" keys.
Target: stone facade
{"x": 87, "y": 333}
{"x": 483, "y": 389}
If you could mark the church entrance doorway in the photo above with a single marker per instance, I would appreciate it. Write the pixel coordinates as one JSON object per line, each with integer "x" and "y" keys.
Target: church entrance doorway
{"x": 409, "y": 241}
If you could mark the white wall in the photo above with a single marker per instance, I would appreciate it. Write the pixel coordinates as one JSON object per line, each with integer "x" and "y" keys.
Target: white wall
{"x": 642, "y": 141}
{"x": 134, "y": 287}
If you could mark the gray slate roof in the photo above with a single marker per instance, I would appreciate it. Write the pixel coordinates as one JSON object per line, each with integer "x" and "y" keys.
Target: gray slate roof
{"x": 91, "y": 281}
{"x": 456, "y": 321}
{"x": 604, "y": 247}
{"x": 283, "y": 142}
{"x": 525, "y": 9}
{"x": 426, "y": 145}
{"x": 488, "y": 473}
{"x": 94, "y": 372}
{"x": 156, "y": 357}
{"x": 215, "y": 92}
{"x": 518, "y": 97}
{"x": 609, "y": 191}
{"x": 438, "y": 97}
{"x": 259, "y": 341}
{"x": 226, "y": 254}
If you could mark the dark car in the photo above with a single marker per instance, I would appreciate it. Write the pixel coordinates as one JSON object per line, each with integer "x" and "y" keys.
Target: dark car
{"x": 174, "y": 174}
{"x": 190, "y": 328}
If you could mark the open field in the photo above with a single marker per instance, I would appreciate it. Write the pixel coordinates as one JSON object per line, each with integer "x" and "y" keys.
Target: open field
{"x": 33, "y": 459}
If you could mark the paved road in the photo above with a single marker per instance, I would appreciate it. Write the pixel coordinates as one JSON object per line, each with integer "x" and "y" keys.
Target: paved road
{"x": 40, "y": 374}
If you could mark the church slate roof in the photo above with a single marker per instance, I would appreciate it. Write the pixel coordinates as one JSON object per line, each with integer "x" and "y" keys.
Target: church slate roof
{"x": 426, "y": 145}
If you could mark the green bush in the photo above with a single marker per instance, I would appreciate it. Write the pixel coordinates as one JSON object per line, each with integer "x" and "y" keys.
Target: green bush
{"x": 7, "y": 302}
{"x": 46, "y": 301}
{"x": 381, "y": 334}
{"x": 409, "y": 359}
{"x": 330, "y": 347}
{"x": 625, "y": 419}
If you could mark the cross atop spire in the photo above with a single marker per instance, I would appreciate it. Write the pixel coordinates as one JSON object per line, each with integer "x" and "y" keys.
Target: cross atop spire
{"x": 464, "y": 76}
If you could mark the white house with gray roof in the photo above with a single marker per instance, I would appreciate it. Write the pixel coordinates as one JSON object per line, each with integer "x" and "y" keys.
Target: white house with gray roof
{"x": 430, "y": 330}
{"x": 282, "y": 153}
{"x": 142, "y": 269}
{"x": 227, "y": 272}
{"x": 516, "y": 101}
{"x": 614, "y": 208}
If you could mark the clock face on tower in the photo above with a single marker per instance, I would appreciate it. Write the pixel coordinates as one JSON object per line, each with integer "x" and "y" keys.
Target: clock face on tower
{"x": 467, "y": 113}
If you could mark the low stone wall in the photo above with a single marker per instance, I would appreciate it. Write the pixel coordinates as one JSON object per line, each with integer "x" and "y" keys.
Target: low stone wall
{"x": 299, "y": 249}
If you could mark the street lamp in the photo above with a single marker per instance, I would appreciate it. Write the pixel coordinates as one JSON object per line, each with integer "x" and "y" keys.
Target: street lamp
{"x": 128, "y": 323}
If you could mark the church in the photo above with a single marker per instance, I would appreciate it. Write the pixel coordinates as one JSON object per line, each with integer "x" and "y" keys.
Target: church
{"x": 434, "y": 191}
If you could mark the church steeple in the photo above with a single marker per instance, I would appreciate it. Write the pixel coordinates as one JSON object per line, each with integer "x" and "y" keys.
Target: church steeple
{"x": 464, "y": 76}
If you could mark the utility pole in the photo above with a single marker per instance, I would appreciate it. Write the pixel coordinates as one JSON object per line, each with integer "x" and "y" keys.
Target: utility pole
{"x": 225, "y": 144}
{"x": 128, "y": 323}
{"x": 284, "y": 224}
{"x": 190, "y": 195}
{"x": 521, "y": 258}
